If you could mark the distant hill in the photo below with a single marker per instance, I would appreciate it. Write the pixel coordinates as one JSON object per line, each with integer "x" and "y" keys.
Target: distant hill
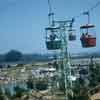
{"x": 28, "y": 58}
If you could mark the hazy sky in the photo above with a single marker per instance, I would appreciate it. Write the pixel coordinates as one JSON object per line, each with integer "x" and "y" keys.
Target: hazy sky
{"x": 22, "y": 23}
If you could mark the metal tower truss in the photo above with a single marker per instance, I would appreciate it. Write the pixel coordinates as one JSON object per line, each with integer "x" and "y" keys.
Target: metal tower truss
{"x": 66, "y": 70}
{"x": 64, "y": 65}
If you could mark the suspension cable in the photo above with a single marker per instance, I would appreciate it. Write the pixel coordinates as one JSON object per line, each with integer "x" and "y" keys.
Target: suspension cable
{"x": 89, "y": 10}
{"x": 95, "y": 6}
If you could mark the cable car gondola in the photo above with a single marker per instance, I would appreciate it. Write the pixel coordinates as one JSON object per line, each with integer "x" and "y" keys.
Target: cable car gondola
{"x": 88, "y": 38}
{"x": 72, "y": 35}
{"x": 53, "y": 41}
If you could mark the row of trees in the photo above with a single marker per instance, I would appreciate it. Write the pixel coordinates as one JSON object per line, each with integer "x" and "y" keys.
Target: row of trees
{"x": 19, "y": 92}
{"x": 80, "y": 89}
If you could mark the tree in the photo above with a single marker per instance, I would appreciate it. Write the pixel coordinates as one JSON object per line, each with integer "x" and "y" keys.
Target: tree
{"x": 41, "y": 85}
{"x": 80, "y": 92}
{"x": 30, "y": 84}
{"x": 19, "y": 91}
{"x": 13, "y": 55}
{"x": 1, "y": 95}
{"x": 94, "y": 77}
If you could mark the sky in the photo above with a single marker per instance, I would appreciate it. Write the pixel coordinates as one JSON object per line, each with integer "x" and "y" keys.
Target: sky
{"x": 22, "y": 23}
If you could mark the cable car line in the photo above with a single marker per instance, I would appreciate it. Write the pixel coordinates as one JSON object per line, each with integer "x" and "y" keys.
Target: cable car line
{"x": 89, "y": 10}
{"x": 87, "y": 39}
{"x": 56, "y": 39}
{"x": 95, "y": 6}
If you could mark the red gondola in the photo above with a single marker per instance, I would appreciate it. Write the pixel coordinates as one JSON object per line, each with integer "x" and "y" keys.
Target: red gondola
{"x": 87, "y": 40}
{"x": 87, "y": 37}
